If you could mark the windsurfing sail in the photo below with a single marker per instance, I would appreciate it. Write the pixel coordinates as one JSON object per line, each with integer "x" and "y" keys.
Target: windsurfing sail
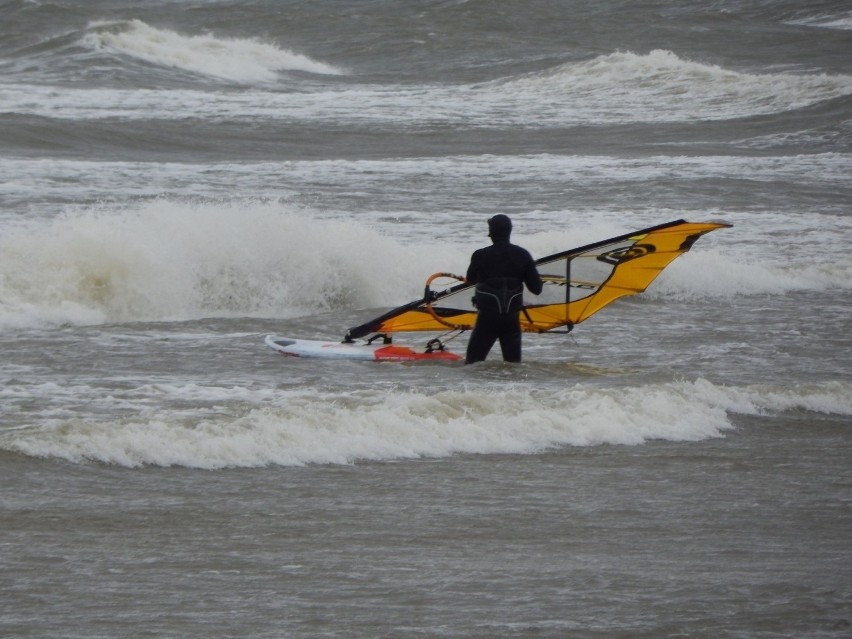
{"x": 577, "y": 284}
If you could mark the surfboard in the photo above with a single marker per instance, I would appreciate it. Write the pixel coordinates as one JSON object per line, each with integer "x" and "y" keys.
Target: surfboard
{"x": 379, "y": 352}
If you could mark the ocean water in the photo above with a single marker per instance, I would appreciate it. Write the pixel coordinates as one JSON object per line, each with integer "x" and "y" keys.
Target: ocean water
{"x": 179, "y": 179}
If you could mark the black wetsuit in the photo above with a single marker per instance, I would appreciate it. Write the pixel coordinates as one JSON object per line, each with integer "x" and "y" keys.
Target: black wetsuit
{"x": 500, "y": 272}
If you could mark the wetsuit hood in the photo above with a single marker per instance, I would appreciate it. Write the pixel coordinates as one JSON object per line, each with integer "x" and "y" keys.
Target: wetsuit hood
{"x": 499, "y": 227}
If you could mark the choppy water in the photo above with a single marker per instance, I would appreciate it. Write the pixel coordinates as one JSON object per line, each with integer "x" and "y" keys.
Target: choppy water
{"x": 179, "y": 179}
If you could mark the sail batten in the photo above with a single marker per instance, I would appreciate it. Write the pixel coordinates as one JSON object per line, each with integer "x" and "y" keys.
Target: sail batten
{"x": 577, "y": 283}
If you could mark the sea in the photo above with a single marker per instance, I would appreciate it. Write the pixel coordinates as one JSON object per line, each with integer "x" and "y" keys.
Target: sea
{"x": 181, "y": 178}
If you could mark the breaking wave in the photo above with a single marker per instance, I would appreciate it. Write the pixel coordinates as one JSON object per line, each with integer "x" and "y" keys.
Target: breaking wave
{"x": 296, "y": 428}
{"x": 615, "y": 88}
{"x": 660, "y": 86}
{"x": 181, "y": 260}
{"x": 236, "y": 59}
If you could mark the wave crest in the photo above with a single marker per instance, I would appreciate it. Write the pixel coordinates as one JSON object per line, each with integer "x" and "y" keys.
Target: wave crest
{"x": 660, "y": 86}
{"x": 236, "y": 59}
{"x": 301, "y": 427}
{"x": 169, "y": 260}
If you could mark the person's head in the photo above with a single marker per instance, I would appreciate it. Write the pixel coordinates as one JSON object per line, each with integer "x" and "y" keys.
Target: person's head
{"x": 499, "y": 227}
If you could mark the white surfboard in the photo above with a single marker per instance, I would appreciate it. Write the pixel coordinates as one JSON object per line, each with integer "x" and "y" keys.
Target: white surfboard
{"x": 378, "y": 352}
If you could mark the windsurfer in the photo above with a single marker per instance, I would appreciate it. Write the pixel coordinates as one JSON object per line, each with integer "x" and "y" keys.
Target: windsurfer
{"x": 500, "y": 272}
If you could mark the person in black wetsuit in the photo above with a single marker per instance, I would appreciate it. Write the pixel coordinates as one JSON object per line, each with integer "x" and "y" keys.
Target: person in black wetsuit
{"x": 500, "y": 272}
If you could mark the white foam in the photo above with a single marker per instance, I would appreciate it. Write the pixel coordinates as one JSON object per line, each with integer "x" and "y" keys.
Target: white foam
{"x": 235, "y": 59}
{"x": 660, "y": 86}
{"x": 27, "y": 178}
{"x": 614, "y": 88}
{"x": 298, "y": 427}
{"x": 717, "y": 274}
{"x": 187, "y": 259}
{"x": 841, "y": 21}
{"x": 183, "y": 260}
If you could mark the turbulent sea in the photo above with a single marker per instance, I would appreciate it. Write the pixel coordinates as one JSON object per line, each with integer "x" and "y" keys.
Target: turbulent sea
{"x": 179, "y": 179}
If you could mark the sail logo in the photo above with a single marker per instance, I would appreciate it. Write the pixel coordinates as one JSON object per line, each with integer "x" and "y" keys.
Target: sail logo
{"x": 622, "y": 255}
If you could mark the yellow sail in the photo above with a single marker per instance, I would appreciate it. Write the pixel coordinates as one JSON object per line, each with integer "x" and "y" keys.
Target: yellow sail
{"x": 578, "y": 283}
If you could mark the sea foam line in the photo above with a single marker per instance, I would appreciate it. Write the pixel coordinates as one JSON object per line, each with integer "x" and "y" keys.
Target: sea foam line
{"x": 345, "y": 428}
{"x": 620, "y": 87}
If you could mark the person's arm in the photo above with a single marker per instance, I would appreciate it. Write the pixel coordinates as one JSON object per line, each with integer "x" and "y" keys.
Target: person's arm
{"x": 533, "y": 279}
{"x": 472, "y": 276}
